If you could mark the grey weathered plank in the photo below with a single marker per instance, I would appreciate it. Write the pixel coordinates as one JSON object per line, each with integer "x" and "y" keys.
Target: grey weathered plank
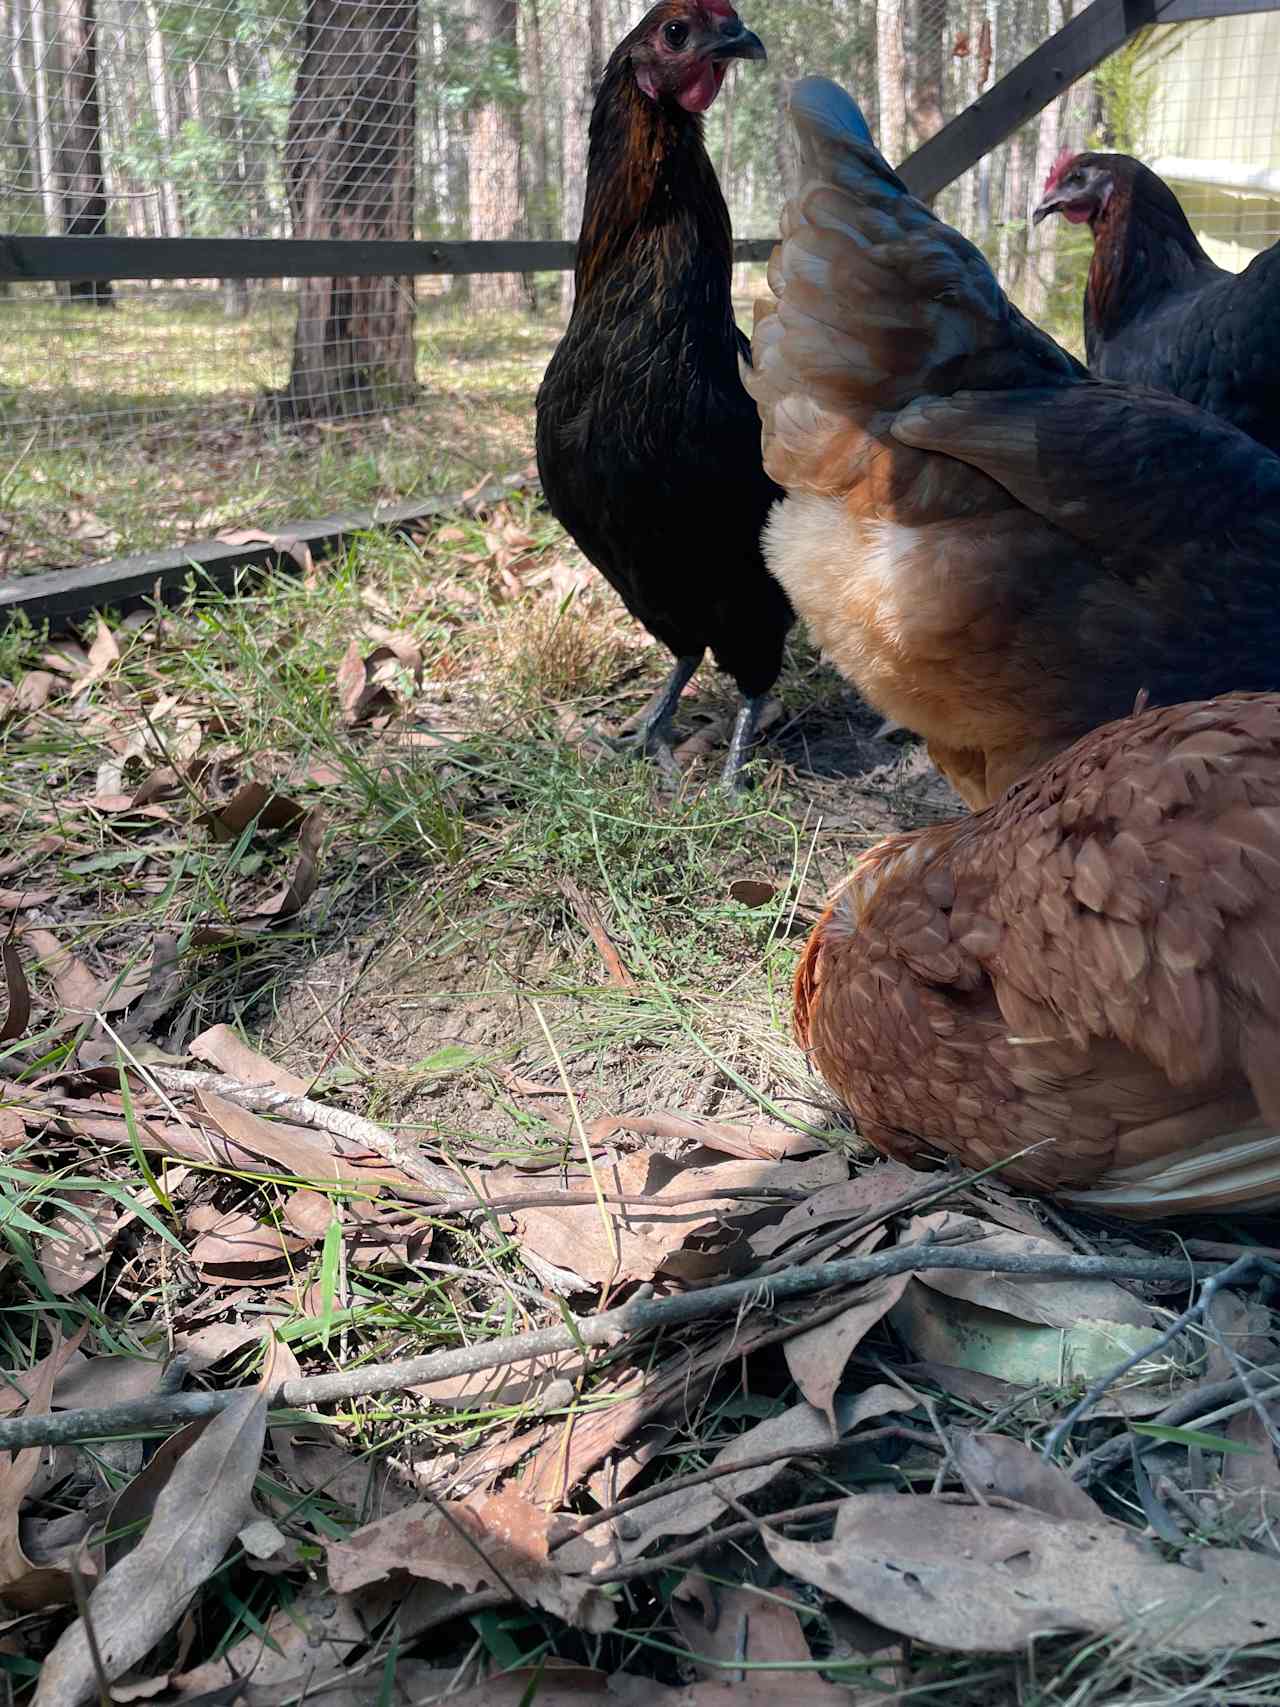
{"x": 125, "y": 583}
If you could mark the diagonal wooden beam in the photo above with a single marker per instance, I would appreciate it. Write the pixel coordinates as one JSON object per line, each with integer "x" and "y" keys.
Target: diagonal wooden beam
{"x": 1091, "y": 36}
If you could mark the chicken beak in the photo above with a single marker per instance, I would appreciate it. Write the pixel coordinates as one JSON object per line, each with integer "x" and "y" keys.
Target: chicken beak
{"x": 735, "y": 41}
{"x": 1050, "y": 204}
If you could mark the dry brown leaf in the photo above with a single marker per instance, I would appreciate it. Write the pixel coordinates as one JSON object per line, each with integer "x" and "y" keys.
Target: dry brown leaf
{"x": 796, "y": 1430}
{"x": 197, "y": 1516}
{"x": 32, "y": 691}
{"x": 67, "y": 658}
{"x": 103, "y": 655}
{"x": 74, "y": 985}
{"x": 221, "y": 1048}
{"x": 135, "y": 1504}
{"x": 1049, "y": 1303}
{"x": 777, "y": 1143}
{"x": 297, "y": 1150}
{"x": 877, "y": 1188}
{"x": 285, "y": 543}
{"x": 495, "y": 1541}
{"x": 78, "y": 1246}
{"x": 997, "y": 1464}
{"x": 17, "y": 991}
{"x": 303, "y": 1644}
{"x": 286, "y": 902}
{"x": 301, "y": 885}
{"x": 978, "y": 1579}
{"x": 727, "y": 1626}
{"x": 21, "y": 1386}
{"x": 649, "y": 1232}
{"x": 365, "y": 684}
{"x": 19, "y": 900}
{"x": 252, "y": 803}
{"x": 110, "y": 1380}
{"x": 23, "y": 1585}
{"x": 589, "y": 914}
{"x": 233, "y": 1246}
{"x": 203, "y": 1347}
{"x": 817, "y": 1357}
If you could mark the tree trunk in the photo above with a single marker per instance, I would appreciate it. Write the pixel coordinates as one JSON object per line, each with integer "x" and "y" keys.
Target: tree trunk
{"x": 15, "y": 23}
{"x": 80, "y": 181}
{"x": 349, "y": 172}
{"x": 162, "y": 109}
{"x": 928, "y": 67}
{"x": 581, "y": 67}
{"x": 493, "y": 160}
{"x": 891, "y": 80}
{"x": 1042, "y": 259}
{"x": 45, "y": 65}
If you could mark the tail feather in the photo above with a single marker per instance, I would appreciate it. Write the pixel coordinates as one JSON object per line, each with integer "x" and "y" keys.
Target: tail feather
{"x": 878, "y": 301}
{"x": 1237, "y": 1170}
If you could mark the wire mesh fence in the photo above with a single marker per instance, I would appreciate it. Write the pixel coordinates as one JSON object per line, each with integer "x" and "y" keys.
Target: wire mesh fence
{"x": 449, "y": 119}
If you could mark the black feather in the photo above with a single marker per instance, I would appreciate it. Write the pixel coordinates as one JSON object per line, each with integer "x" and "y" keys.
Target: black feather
{"x": 648, "y": 446}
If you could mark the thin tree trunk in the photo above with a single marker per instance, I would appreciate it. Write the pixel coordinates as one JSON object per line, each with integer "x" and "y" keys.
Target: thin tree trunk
{"x": 45, "y": 66}
{"x": 986, "y": 72}
{"x": 349, "y": 170}
{"x": 1042, "y": 259}
{"x": 81, "y": 185}
{"x": 926, "y": 111}
{"x": 891, "y": 80}
{"x": 582, "y": 62}
{"x": 162, "y": 108}
{"x": 15, "y": 21}
{"x": 494, "y": 197}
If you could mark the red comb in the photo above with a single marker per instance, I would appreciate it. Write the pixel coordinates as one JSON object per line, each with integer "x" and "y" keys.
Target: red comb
{"x": 1059, "y": 169}
{"x": 719, "y": 8}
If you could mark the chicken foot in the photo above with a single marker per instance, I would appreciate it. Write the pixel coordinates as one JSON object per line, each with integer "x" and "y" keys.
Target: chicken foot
{"x": 655, "y": 725}
{"x": 745, "y": 728}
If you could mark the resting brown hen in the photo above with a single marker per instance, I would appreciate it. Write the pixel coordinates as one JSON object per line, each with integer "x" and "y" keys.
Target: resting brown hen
{"x": 997, "y": 550}
{"x": 1092, "y": 967}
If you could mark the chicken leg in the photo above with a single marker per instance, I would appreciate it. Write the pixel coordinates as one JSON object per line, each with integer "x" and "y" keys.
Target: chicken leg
{"x": 651, "y": 738}
{"x": 745, "y": 728}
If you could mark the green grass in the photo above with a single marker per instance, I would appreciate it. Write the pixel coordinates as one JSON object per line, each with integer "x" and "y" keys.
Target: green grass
{"x": 415, "y": 983}
{"x": 125, "y": 430}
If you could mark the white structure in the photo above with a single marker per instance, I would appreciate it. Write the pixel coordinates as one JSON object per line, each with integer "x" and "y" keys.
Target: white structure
{"x": 1213, "y": 130}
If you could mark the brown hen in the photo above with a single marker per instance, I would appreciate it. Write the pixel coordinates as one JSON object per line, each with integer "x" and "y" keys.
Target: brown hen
{"x": 1091, "y": 967}
{"x": 997, "y": 550}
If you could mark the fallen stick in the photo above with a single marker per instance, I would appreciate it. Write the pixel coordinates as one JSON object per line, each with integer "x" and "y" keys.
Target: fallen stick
{"x": 262, "y": 1099}
{"x": 637, "y": 1317}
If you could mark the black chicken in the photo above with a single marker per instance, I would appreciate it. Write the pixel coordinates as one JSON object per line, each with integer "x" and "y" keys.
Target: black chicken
{"x": 648, "y": 445}
{"x": 1157, "y": 310}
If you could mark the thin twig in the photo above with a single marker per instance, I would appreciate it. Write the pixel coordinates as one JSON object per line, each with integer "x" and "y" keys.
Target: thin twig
{"x": 1237, "y": 1270}
{"x": 263, "y": 1099}
{"x": 757, "y": 1461}
{"x": 636, "y": 1317}
{"x": 1242, "y": 1373}
{"x": 716, "y": 1538}
{"x": 590, "y": 917}
{"x": 1200, "y": 1406}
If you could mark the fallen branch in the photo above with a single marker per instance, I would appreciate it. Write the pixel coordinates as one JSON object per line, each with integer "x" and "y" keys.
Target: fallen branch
{"x": 262, "y": 1099}
{"x": 637, "y": 1317}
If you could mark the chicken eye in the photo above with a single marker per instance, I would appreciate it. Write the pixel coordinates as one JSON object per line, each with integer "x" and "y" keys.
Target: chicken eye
{"x": 676, "y": 33}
